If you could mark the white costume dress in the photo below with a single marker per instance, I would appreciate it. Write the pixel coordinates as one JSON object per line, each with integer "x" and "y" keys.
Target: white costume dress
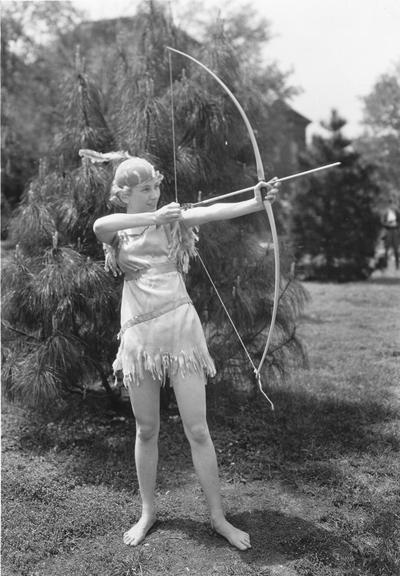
{"x": 161, "y": 332}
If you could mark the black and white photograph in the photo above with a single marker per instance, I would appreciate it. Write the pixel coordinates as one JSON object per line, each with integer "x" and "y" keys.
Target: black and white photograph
{"x": 200, "y": 296}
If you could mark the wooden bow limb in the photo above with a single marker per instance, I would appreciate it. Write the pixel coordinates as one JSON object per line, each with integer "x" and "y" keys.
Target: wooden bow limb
{"x": 267, "y": 206}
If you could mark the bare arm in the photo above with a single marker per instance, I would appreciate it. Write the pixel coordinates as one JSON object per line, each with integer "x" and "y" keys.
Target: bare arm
{"x": 227, "y": 211}
{"x": 106, "y": 227}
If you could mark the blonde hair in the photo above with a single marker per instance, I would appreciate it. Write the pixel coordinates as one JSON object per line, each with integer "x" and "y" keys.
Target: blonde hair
{"x": 130, "y": 174}
{"x": 117, "y": 195}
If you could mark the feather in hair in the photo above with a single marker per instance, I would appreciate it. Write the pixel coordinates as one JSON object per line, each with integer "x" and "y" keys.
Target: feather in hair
{"x": 100, "y": 157}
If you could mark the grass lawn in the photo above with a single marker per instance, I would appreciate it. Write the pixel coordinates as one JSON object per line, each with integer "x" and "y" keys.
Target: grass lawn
{"x": 316, "y": 483}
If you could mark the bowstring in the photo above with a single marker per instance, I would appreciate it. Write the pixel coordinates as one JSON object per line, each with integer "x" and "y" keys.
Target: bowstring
{"x": 173, "y": 126}
{"x": 255, "y": 369}
{"x": 243, "y": 345}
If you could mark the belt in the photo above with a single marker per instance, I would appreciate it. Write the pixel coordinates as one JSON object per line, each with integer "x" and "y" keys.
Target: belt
{"x": 167, "y": 307}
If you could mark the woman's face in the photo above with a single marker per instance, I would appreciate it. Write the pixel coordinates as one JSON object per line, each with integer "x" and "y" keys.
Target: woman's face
{"x": 144, "y": 198}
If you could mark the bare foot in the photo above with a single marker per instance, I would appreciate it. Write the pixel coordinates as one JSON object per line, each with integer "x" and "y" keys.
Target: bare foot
{"x": 138, "y": 532}
{"x": 236, "y": 537}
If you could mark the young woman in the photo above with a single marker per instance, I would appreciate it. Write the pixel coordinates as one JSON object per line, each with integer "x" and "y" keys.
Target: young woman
{"x": 161, "y": 332}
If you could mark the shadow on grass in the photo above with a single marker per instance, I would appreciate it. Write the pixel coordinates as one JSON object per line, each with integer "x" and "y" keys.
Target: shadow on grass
{"x": 276, "y": 534}
{"x": 275, "y": 537}
{"x": 98, "y": 447}
{"x": 305, "y": 427}
{"x": 184, "y": 545}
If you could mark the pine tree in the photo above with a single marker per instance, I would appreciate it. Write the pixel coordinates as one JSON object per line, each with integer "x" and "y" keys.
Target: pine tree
{"x": 29, "y": 110}
{"x": 334, "y": 222}
{"x": 61, "y": 308}
{"x": 58, "y": 302}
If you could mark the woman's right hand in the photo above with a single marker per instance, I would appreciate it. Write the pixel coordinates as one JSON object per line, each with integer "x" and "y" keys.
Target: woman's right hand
{"x": 170, "y": 213}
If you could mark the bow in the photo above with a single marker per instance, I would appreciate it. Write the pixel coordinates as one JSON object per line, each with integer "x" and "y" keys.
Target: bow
{"x": 268, "y": 209}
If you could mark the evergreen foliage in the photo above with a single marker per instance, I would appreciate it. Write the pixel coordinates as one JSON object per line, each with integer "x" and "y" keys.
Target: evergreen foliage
{"x": 31, "y": 73}
{"x": 335, "y": 225}
{"x": 60, "y": 307}
{"x": 57, "y": 299}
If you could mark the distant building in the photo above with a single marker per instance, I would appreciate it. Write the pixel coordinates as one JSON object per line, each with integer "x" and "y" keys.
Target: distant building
{"x": 292, "y": 141}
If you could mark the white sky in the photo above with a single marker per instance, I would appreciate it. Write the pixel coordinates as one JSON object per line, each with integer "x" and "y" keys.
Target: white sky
{"x": 336, "y": 49}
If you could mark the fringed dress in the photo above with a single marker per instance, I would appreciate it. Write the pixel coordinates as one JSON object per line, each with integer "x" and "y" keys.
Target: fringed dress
{"x": 161, "y": 332}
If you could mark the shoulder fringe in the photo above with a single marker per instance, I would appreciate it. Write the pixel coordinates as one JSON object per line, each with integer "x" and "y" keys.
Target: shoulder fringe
{"x": 110, "y": 259}
{"x": 183, "y": 246}
{"x": 182, "y": 249}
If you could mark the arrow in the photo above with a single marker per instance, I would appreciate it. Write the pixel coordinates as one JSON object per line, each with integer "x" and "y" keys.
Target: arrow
{"x": 284, "y": 179}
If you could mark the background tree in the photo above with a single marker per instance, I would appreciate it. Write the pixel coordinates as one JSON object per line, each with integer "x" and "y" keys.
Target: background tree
{"x": 58, "y": 301}
{"x": 60, "y": 309}
{"x": 334, "y": 222}
{"x": 30, "y": 112}
{"x": 39, "y": 42}
{"x": 380, "y": 143}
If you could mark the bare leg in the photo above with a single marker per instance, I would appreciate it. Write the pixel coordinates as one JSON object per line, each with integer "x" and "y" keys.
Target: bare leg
{"x": 190, "y": 396}
{"x": 145, "y": 400}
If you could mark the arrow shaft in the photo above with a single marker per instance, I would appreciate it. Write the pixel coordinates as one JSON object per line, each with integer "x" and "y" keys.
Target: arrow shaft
{"x": 284, "y": 179}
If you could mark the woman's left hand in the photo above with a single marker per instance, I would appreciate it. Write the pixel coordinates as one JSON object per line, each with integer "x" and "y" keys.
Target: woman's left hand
{"x": 267, "y": 190}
